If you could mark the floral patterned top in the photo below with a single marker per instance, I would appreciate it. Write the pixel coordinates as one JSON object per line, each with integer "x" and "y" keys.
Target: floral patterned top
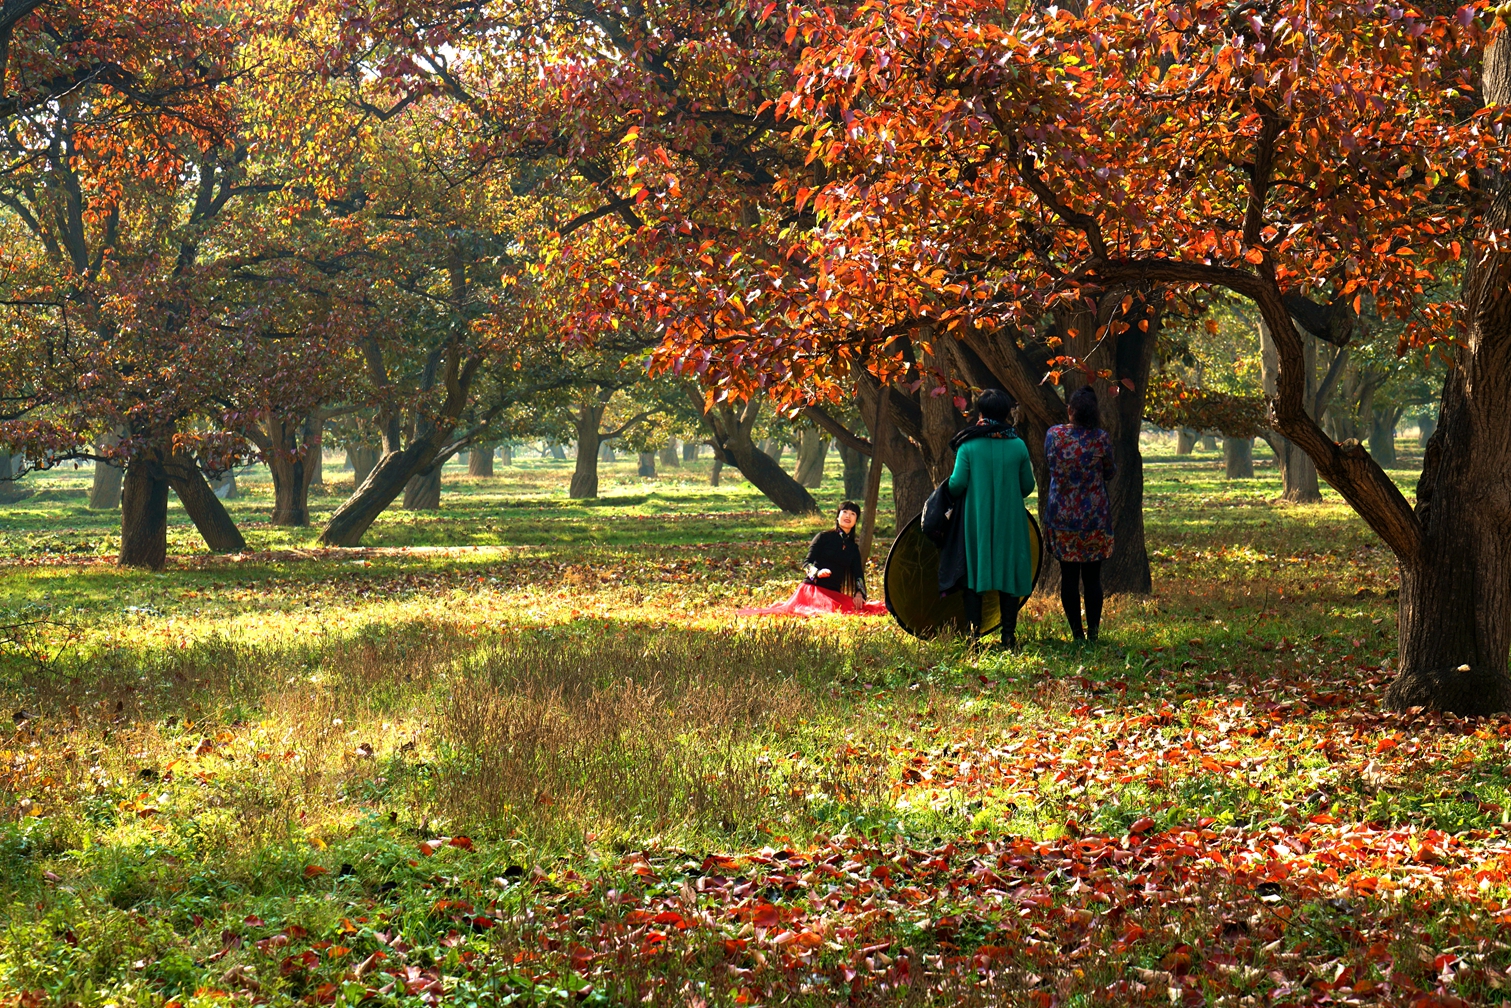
{"x": 1078, "y": 514}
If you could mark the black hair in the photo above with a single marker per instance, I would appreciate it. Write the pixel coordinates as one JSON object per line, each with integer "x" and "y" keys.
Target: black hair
{"x": 1084, "y": 409}
{"x": 846, "y": 506}
{"x": 995, "y": 404}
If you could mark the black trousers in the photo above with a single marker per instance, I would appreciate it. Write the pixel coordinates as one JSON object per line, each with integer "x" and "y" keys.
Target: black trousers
{"x": 1073, "y": 578}
{"x": 1007, "y": 604}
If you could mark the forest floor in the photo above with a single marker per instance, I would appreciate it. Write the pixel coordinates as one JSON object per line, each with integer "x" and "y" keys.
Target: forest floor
{"x": 520, "y": 751}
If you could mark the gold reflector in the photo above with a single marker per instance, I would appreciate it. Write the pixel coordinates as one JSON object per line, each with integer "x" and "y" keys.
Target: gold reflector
{"x": 911, "y": 583}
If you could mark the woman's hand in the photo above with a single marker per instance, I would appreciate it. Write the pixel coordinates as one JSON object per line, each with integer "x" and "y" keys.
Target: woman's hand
{"x": 826, "y": 572}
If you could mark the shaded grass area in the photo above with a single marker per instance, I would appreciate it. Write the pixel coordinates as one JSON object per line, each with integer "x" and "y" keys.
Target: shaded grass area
{"x": 553, "y": 768}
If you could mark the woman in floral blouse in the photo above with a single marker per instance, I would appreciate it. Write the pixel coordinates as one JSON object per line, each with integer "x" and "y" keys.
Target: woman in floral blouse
{"x": 1078, "y": 516}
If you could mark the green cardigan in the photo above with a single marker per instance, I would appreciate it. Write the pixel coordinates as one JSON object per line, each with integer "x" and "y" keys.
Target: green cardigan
{"x": 992, "y": 476}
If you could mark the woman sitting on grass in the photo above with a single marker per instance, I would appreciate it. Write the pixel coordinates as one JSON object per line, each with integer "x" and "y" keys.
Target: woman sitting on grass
{"x": 836, "y": 574}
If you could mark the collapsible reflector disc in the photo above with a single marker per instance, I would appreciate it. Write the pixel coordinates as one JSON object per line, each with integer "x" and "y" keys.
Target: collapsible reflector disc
{"x": 911, "y": 582}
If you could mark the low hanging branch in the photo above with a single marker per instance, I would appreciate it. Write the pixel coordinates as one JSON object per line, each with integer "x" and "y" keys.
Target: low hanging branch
{"x": 1171, "y": 403}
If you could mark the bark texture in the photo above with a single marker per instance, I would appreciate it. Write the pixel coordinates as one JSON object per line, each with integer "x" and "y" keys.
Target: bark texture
{"x": 731, "y": 426}
{"x": 1238, "y": 457}
{"x": 1455, "y": 607}
{"x": 1185, "y": 441}
{"x": 585, "y": 421}
{"x": 646, "y": 465}
{"x": 480, "y": 460}
{"x": 203, "y": 507}
{"x": 144, "y": 515}
{"x": 423, "y": 491}
{"x": 669, "y": 454}
{"x": 291, "y": 448}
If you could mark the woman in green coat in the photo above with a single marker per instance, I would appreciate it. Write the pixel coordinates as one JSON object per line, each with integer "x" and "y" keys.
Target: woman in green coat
{"x": 992, "y": 475}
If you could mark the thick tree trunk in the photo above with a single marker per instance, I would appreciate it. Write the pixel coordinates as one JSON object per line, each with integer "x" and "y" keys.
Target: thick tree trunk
{"x": 144, "y": 515}
{"x": 855, "y": 472}
{"x": 291, "y": 447}
{"x": 10, "y": 489}
{"x": 203, "y": 507}
{"x": 585, "y": 476}
{"x": 105, "y": 488}
{"x": 646, "y": 465}
{"x": 423, "y": 491}
{"x": 1455, "y": 608}
{"x": 731, "y": 429}
{"x": 1382, "y": 435}
{"x": 506, "y": 454}
{"x": 1238, "y": 456}
{"x": 558, "y": 452}
{"x": 290, "y": 489}
{"x": 1298, "y": 473}
{"x": 1185, "y": 441}
{"x": 669, "y": 455}
{"x": 717, "y": 470}
{"x": 813, "y": 450}
{"x": 1208, "y": 442}
{"x": 362, "y": 459}
{"x": 1424, "y": 432}
{"x": 316, "y": 461}
{"x": 480, "y": 460}
{"x": 689, "y": 451}
{"x": 224, "y": 486}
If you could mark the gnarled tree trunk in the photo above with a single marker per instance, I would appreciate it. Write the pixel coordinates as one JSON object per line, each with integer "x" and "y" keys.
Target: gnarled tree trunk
{"x": 646, "y": 465}
{"x": 1455, "y": 607}
{"x": 392, "y": 473}
{"x": 291, "y": 448}
{"x": 731, "y": 430}
{"x": 669, "y": 454}
{"x": 1185, "y": 441}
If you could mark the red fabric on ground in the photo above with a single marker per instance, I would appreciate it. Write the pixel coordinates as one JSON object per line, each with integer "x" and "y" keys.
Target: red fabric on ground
{"x": 811, "y": 600}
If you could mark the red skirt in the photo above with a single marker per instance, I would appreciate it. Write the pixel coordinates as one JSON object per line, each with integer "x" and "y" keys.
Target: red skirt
{"x": 811, "y": 600}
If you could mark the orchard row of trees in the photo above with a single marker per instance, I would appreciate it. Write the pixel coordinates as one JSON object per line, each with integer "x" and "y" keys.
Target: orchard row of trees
{"x": 228, "y": 224}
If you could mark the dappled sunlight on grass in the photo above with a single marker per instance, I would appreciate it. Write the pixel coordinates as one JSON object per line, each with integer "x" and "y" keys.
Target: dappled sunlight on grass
{"x": 523, "y": 746}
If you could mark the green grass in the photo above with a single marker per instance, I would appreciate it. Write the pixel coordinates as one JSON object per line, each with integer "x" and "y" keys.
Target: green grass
{"x": 522, "y": 748}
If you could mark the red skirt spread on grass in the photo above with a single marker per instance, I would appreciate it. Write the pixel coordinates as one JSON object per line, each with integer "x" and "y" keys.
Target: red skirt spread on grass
{"x": 811, "y": 600}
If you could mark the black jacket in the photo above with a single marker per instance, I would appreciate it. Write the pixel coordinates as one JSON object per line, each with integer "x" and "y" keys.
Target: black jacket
{"x": 840, "y": 553}
{"x": 942, "y": 524}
